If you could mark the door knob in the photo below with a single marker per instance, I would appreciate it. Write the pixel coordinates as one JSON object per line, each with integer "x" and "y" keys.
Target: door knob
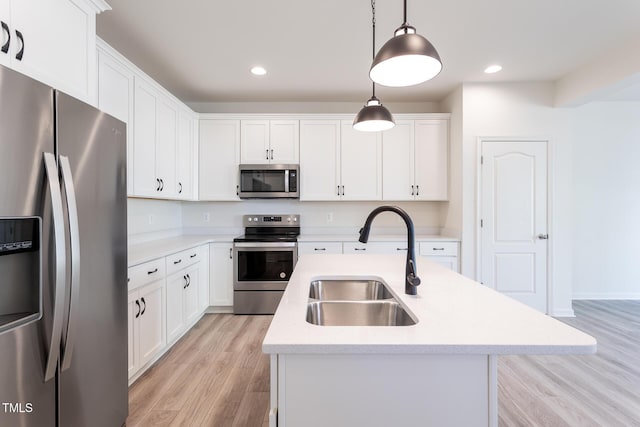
{"x": 543, "y": 236}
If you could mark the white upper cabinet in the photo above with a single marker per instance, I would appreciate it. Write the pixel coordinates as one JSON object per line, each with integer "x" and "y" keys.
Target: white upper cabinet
{"x": 53, "y": 41}
{"x": 284, "y": 141}
{"x": 361, "y": 164}
{"x": 184, "y": 149}
{"x": 219, "y": 157}
{"x": 145, "y": 180}
{"x": 319, "y": 159}
{"x": 166, "y": 142}
{"x": 115, "y": 97}
{"x": 398, "y": 153}
{"x": 338, "y": 162}
{"x": 431, "y": 159}
{"x": 416, "y": 159}
{"x": 269, "y": 141}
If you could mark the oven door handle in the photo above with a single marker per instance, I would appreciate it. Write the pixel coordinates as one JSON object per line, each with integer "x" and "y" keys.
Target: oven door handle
{"x": 283, "y": 245}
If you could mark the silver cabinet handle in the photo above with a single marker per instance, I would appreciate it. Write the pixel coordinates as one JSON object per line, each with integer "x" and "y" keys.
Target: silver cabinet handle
{"x": 60, "y": 263}
{"x": 543, "y": 236}
{"x": 69, "y": 339}
{"x": 267, "y": 157}
{"x": 272, "y": 154}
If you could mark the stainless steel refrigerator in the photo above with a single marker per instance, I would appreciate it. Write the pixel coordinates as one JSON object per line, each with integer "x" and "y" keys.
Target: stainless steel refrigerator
{"x": 63, "y": 260}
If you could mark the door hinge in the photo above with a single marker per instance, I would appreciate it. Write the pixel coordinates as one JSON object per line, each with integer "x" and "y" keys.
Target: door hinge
{"x": 481, "y": 223}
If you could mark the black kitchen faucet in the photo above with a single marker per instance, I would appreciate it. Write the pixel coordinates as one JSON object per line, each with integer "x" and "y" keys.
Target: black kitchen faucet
{"x": 411, "y": 279}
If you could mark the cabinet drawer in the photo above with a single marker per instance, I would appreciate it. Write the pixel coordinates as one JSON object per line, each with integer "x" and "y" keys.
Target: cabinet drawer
{"x": 148, "y": 272}
{"x": 439, "y": 248}
{"x": 183, "y": 259}
{"x": 319, "y": 248}
{"x": 375, "y": 248}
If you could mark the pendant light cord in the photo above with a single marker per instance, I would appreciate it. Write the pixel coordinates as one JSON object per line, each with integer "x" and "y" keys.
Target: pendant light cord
{"x": 373, "y": 50}
{"x": 405, "y": 12}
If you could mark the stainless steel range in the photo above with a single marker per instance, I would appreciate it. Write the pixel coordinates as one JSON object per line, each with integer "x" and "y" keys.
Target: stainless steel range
{"x": 264, "y": 260}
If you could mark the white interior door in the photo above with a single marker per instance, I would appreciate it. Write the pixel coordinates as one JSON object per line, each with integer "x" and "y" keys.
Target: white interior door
{"x": 513, "y": 206}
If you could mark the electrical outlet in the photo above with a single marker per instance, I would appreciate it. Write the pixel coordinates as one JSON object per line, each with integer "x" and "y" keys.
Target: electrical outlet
{"x": 330, "y": 217}
{"x": 152, "y": 219}
{"x": 206, "y": 217}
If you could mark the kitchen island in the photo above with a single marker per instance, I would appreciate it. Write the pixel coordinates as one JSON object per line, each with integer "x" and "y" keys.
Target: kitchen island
{"x": 440, "y": 371}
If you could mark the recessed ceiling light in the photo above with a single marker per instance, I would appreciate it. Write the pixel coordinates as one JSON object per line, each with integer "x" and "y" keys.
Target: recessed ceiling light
{"x": 493, "y": 69}
{"x": 258, "y": 71}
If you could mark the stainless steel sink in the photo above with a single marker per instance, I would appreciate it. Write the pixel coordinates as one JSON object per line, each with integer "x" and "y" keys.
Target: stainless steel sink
{"x": 358, "y": 313}
{"x": 349, "y": 290}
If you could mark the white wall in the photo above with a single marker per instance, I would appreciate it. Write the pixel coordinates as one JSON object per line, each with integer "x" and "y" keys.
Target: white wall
{"x": 152, "y": 218}
{"x": 453, "y": 104}
{"x": 606, "y": 198}
{"x": 346, "y": 217}
{"x": 521, "y": 110}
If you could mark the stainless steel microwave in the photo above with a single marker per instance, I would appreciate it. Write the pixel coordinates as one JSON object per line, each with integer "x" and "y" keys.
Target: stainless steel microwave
{"x": 269, "y": 182}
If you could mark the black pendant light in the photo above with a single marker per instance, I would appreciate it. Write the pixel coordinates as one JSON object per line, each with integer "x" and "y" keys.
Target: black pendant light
{"x": 374, "y": 116}
{"x": 406, "y": 60}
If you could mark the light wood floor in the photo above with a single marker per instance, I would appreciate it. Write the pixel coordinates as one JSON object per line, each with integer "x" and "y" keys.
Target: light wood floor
{"x": 217, "y": 376}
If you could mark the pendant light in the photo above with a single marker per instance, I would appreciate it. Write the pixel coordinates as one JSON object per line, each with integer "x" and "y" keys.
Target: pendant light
{"x": 407, "y": 59}
{"x": 374, "y": 116}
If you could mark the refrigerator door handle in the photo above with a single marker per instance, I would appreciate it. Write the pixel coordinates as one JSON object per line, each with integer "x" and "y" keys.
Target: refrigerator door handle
{"x": 68, "y": 339}
{"x": 53, "y": 353}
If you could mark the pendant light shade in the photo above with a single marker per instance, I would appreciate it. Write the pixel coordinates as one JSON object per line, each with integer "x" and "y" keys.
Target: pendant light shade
{"x": 373, "y": 117}
{"x": 406, "y": 60}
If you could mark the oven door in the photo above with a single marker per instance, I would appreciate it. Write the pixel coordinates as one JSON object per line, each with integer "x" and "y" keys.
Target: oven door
{"x": 263, "y": 266}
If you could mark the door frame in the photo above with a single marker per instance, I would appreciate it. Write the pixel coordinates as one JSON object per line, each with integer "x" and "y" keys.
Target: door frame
{"x": 550, "y": 226}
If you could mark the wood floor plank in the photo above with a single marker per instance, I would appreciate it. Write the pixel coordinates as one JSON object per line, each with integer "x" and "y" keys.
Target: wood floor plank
{"x": 216, "y": 375}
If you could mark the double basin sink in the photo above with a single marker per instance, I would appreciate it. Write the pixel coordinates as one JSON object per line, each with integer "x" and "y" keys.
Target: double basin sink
{"x": 355, "y": 302}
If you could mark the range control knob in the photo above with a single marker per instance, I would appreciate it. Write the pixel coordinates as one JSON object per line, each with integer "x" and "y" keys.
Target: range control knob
{"x": 250, "y": 219}
{"x": 255, "y": 219}
{"x": 295, "y": 219}
{"x": 289, "y": 219}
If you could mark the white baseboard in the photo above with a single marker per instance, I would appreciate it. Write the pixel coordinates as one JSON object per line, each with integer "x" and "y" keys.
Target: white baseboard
{"x": 606, "y": 295}
{"x": 563, "y": 312}
{"x": 219, "y": 309}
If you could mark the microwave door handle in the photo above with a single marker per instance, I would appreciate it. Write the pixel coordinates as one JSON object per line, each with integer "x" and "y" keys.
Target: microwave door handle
{"x": 286, "y": 180}
{"x": 60, "y": 263}
{"x": 69, "y": 338}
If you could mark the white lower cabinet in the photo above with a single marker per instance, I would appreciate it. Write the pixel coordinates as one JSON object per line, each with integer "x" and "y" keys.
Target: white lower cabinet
{"x": 375, "y": 247}
{"x": 182, "y": 301}
{"x": 444, "y": 253}
{"x": 203, "y": 279}
{"x": 146, "y": 324}
{"x": 221, "y": 274}
{"x": 319, "y": 248}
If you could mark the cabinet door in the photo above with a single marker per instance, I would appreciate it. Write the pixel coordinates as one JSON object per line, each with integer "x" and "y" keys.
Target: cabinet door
{"x": 254, "y": 144}
{"x": 387, "y": 248}
{"x": 191, "y": 305}
{"x": 431, "y": 159}
{"x": 221, "y": 274}
{"x": 319, "y": 159}
{"x": 219, "y": 157}
{"x": 145, "y": 180}
{"x": 166, "y": 142}
{"x": 398, "y": 168}
{"x": 151, "y": 321}
{"x": 185, "y": 166}
{"x": 449, "y": 262}
{"x": 133, "y": 313}
{"x": 361, "y": 164}
{"x": 284, "y": 137}
{"x": 203, "y": 279}
{"x": 176, "y": 289}
{"x": 6, "y": 34}
{"x": 115, "y": 97}
{"x": 59, "y": 43}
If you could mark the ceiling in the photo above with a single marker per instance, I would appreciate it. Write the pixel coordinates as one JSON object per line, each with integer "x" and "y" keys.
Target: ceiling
{"x": 202, "y": 50}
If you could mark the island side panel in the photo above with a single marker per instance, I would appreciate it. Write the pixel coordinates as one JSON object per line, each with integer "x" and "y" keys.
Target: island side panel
{"x": 383, "y": 390}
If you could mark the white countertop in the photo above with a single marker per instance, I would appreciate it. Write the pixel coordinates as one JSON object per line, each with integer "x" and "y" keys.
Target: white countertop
{"x": 148, "y": 251}
{"x": 373, "y": 238}
{"x": 455, "y": 315}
